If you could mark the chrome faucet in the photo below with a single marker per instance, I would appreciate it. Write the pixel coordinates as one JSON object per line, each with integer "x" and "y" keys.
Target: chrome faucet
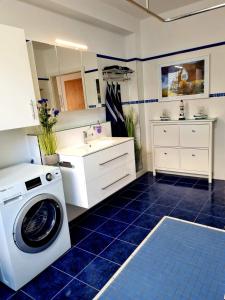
{"x": 86, "y": 135}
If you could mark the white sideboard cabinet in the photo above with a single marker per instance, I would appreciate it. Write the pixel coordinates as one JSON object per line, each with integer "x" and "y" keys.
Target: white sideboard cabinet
{"x": 17, "y": 99}
{"x": 183, "y": 146}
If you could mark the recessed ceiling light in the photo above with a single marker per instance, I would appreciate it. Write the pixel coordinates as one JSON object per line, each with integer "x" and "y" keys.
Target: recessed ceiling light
{"x": 71, "y": 45}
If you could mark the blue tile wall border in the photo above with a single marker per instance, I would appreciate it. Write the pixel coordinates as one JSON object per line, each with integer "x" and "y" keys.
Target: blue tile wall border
{"x": 91, "y": 71}
{"x": 162, "y": 55}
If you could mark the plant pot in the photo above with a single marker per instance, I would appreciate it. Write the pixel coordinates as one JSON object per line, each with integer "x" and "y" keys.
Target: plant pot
{"x": 50, "y": 160}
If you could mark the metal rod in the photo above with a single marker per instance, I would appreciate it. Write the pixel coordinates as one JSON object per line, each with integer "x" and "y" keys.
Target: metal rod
{"x": 172, "y": 19}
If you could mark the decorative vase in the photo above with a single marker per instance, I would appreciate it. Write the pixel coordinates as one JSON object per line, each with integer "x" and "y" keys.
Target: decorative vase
{"x": 51, "y": 160}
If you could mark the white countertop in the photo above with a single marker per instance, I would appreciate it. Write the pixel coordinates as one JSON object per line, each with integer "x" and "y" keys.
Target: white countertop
{"x": 93, "y": 146}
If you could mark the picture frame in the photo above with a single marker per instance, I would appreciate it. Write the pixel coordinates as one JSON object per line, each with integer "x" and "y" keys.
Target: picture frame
{"x": 184, "y": 79}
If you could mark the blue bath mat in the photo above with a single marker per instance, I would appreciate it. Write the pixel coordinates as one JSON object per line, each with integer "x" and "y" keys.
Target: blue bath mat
{"x": 179, "y": 260}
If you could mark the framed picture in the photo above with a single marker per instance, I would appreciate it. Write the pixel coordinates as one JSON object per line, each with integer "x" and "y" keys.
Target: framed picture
{"x": 187, "y": 79}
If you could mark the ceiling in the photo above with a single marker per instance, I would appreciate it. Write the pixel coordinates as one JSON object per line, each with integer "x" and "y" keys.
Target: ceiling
{"x": 158, "y": 6}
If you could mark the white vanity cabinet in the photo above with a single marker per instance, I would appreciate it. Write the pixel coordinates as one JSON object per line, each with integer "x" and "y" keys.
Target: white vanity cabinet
{"x": 17, "y": 99}
{"x": 183, "y": 146}
{"x": 95, "y": 176}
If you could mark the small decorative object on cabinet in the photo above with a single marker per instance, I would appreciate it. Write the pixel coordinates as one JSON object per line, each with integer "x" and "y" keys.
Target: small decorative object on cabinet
{"x": 47, "y": 138}
{"x": 17, "y": 101}
{"x": 183, "y": 147}
{"x": 182, "y": 114}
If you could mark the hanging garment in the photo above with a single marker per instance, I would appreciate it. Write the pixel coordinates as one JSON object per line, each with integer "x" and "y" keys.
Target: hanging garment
{"x": 114, "y": 111}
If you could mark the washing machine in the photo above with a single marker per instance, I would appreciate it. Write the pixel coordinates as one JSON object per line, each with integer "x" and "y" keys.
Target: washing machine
{"x": 33, "y": 222}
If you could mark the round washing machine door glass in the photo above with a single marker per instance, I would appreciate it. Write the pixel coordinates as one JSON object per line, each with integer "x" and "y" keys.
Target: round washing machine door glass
{"x": 38, "y": 223}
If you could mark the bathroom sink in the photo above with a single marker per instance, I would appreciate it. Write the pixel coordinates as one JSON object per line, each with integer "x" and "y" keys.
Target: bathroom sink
{"x": 92, "y": 146}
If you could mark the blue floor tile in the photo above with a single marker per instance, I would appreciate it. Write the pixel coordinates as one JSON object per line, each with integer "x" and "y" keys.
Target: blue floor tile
{"x": 134, "y": 235}
{"x": 74, "y": 261}
{"x": 147, "y": 180}
{"x": 202, "y": 187}
{"x": 214, "y": 210}
{"x": 130, "y": 194}
{"x": 168, "y": 200}
{"x": 166, "y": 182}
{"x": 159, "y": 210}
{"x": 172, "y": 178}
{"x": 112, "y": 228}
{"x": 139, "y": 206}
{"x": 106, "y": 211}
{"x": 92, "y": 222}
{"x": 184, "y": 184}
{"x": 20, "y": 296}
{"x": 139, "y": 186}
{"x": 47, "y": 284}
{"x": 77, "y": 290}
{"x": 95, "y": 243}
{"x": 5, "y": 292}
{"x": 191, "y": 180}
{"x": 118, "y": 251}
{"x": 147, "y": 197}
{"x": 127, "y": 216}
{"x": 98, "y": 272}
{"x": 184, "y": 214}
{"x": 147, "y": 221}
{"x": 119, "y": 201}
{"x": 211, "y": 221}
{"x": 218, "y": 198}
{"x": 77, "y": 234}
{"x": 190, "y": 205}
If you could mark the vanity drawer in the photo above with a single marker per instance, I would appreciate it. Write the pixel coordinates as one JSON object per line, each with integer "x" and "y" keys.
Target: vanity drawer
{"x": 102, "y": 162}
{"x": 194, "y": 136}
{"x": 166, "y": 158}
{"x": 104, "y": 186}
{"x": 166, "y": 135}
{"x": 194, "y": 160}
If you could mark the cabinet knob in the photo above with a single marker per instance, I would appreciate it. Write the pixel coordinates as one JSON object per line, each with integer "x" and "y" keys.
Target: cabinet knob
{"x": 193, "y": 130}
{"x": 164, "y": 130}
{"x": 165, "y": 153}
{"x": 193, "y": 155}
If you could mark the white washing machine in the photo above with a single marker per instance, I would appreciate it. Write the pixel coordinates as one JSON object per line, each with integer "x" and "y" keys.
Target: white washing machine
{"x": 33, "y": 222}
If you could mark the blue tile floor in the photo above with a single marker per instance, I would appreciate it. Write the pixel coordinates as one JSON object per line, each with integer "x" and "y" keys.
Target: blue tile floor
{"x": 105, "y": 236}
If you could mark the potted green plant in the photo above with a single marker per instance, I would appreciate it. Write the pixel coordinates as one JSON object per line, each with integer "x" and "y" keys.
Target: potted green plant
{"x": 47, "y": 138}
{"x": 131, "y": 124}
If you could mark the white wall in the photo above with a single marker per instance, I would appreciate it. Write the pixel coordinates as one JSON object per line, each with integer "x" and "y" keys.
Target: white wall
{"x": 159, "y": 38}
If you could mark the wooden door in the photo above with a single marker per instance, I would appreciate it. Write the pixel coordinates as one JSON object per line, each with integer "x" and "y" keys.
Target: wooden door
{"x": 74, "y": 94}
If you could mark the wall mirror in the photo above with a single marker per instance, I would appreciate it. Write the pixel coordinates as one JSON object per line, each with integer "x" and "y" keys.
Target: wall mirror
{"x": 68, "y": 78}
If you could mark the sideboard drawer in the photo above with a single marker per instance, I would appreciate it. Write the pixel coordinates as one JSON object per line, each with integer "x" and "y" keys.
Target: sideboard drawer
{"x": 194, "y": 136}
{"x": 167, "y": 135}
{"x": 194, "y": 160}
{"x": 166, "y": 158}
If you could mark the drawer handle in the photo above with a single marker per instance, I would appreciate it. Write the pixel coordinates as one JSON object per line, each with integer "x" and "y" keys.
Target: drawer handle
{"x": 108, "y": 161}
{"x": 164, "y": 130}
{"x": 165, "y": 153}
{"x": 106, "y": 187}
{"x": 193, "y": 155}
{"x": 193, "y": 130}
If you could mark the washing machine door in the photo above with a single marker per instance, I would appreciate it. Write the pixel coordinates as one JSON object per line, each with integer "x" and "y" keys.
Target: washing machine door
{"x": 38, "y": 223}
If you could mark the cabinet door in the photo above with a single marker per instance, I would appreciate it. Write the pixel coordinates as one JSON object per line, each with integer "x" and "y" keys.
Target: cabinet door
{"x": 194, "y": 136}
{"x": 166, "y": 135}
{"x": 194, "y": 160}
{"x": 17, "y": 98}
{"x": 166, "y": 158}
